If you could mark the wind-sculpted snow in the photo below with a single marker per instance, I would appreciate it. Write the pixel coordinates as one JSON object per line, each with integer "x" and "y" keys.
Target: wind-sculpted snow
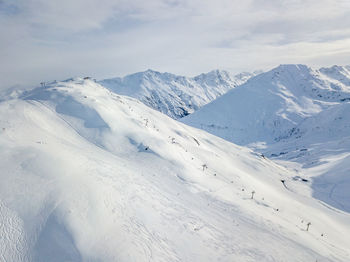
{"x": 292, "y": 113}
{"x": 176, "y": 96}
{"x": 88, "y": 175}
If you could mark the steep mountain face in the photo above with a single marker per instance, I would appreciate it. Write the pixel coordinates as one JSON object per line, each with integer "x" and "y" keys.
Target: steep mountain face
{"x": 292, "y": 113}
{"x": 88, "y": 175}
{"x": 175, "y": 96}
{"x": 270, "y": 106}
{"x": 338, "y": 73}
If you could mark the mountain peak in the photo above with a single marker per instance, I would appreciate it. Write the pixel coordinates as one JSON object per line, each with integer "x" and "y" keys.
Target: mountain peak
{"x": 335, "y": 69}
{"x": 174, "y": 95}
{"x": 292, "y": 68}
{"x": 218, "y": 72}
{"x": 152, "y": 72}
{"x": 281, "y": 97}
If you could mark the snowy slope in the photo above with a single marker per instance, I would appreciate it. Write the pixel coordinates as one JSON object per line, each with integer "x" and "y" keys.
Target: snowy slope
{"x": 88, "y": 175}
{"x": 293, "y": 113}
{"x": 338, "y": 73}
{"x": 175, "y": 96}
{"x": 269, "y": 106}
{"x": 322, "y": 148}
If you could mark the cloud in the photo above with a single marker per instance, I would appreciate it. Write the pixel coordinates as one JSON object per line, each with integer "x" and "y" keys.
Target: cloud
{"x": 45, "y": 40}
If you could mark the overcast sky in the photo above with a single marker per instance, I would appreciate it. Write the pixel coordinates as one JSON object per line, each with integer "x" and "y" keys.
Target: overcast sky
{"x": 43, "y": 40}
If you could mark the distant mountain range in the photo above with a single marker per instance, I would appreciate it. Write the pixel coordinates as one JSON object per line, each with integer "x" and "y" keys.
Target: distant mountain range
{"x": 173, "y": 95}
{"x": 271, "y": 106}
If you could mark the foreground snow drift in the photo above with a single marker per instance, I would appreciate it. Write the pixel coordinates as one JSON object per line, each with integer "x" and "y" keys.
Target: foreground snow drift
{"x": 87, "y": 175}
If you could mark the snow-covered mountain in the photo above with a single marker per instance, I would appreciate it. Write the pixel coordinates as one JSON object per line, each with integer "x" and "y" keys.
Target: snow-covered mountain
{"x": 176, "y": 96}
{"x": 88, "y": 175}
{"x": 293, "y": 113}
{"x": 321, "y": 147}
{"x": 270, "y": 106}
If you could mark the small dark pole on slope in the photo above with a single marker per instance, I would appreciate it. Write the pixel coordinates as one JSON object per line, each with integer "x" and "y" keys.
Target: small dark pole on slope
{"x": 284, "y": 183}
{"x": 253, "y": 192}
{"x": 307, "y": 226}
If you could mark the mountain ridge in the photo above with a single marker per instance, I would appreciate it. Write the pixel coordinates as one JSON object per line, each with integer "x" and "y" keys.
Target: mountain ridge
{"x": 92, "y": 175}
{"x": 293, "y": 114}
{"x": 173, "y": 95}
{"x": 293, "y": 93}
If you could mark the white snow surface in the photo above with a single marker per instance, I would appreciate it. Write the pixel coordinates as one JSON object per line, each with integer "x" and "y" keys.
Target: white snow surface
{"x": 295, "y": 114}
{"x": 88, "y": 175}
{"x": 173, "y": 95}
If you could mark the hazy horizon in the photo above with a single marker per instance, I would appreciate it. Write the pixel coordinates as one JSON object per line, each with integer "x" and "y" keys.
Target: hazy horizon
{"x": 48, "y": 40}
